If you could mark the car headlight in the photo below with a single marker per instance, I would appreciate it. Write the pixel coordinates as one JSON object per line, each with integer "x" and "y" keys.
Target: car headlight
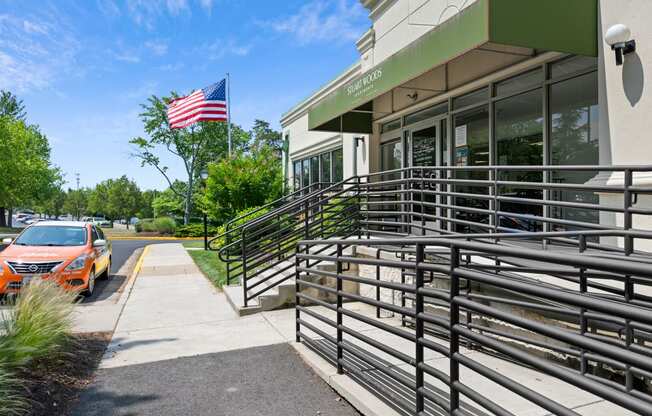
{"x": 78, "y": 263}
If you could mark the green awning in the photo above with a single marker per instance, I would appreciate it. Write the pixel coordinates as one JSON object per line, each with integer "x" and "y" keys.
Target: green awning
{"x": 569, "y": 26}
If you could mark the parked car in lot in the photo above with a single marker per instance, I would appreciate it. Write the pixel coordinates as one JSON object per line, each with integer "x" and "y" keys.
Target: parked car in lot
{"x": 73, "y": 254}
{"x": 100, "y": 221}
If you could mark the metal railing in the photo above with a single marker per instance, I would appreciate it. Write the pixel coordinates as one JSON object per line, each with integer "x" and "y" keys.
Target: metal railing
{"x": 443, "y": 200}
{"x": 580, "y": 315}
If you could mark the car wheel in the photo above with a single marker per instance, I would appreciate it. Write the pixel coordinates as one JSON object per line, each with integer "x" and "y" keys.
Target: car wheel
{"x": 106, "y": 275}
{"x": 91, "y": 284}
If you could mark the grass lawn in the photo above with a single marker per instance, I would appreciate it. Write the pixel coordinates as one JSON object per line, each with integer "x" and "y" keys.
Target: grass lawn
{"x": 7, "y": 230}
{"x": 194, "y": 244}
{"x": 209, "y": 263}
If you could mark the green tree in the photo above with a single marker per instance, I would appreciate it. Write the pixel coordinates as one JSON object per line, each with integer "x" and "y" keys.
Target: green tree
{"x": 123, "y": 198}
{"x": 54, "y": 203}
{"x": 98, "y": 198}
{"x": 76, "y": 203}
{"x": 195, "y": 146}
{"x": 11, "y": 106}
{"x": 146, "y": 209}
{"x": 265, "y": 136}
{"x": 28, "y": 177}
{"x": 244, "y": 181}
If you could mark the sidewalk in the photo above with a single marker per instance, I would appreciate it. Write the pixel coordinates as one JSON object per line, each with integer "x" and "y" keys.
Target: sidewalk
{"x": 179, "y": 348}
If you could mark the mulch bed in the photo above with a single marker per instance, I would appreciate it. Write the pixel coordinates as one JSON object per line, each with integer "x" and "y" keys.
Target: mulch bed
{"x": 53, "y": 386}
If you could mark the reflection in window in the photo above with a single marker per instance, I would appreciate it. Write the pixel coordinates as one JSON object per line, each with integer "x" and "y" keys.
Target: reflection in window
{"x": 326, "y": 167}
{"x": 475, "y": 97}
{"x": 519, "y": 141}
{"x": 574, "y": 114}
{"x": 314, "y": 169}
{"x": 471, "y": 139}
{"x": 338, "y": 171}
{"x": 305, "y": 173}
{"x": 297, "y": 176}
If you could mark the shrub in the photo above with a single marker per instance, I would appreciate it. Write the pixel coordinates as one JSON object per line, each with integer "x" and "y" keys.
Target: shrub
{"x": 11, "y": 402}
{"x": 165, "y": 225}
{"x": 247, "y": 214}
{"x": 195, "y": 230}
{"x": 162, "y": 225}
{"x": 38, "y": 325}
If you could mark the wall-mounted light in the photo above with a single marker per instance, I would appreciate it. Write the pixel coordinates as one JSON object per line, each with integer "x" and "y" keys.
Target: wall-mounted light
{"x": 413, "y": 96}
{"x": 359, "y": 140}
{"x": 619, "y": 38}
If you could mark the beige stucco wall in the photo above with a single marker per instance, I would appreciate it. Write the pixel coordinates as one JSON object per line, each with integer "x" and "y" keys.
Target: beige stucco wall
{"x": 396, "y": 23}
{"x": 626, "y": 91}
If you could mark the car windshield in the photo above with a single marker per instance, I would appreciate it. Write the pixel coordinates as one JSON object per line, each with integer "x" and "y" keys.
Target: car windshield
{"x": 52, "y": 236}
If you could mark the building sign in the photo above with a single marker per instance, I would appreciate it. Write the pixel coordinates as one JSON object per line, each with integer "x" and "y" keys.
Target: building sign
{"x": 365, "y": 84}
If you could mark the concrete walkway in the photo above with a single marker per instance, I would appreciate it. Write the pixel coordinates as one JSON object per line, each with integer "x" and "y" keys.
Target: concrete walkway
{"x": 179, "y": 348}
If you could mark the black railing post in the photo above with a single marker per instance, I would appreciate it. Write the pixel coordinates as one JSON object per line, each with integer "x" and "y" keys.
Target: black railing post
{"x": 297, "y": 291}
{"x": 243, "y": 243}
{"x": 584, "y": 364}
{"x": 378, "y": 286}
{"x": 628, "y": 284}
{"x": 454, "y": 337}
{"x": 340, "y": 355}
{"x": 419, "y": 327}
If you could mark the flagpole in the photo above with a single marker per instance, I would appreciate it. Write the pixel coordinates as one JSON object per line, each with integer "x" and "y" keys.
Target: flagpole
{"x": 228, "y": 109}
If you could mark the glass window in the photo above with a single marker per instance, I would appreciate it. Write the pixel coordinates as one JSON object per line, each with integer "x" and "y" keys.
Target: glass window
{"x": 423, "y": 147}
{"x": 297, "y": 175}
{"x": 427, "y": 113}
{"x": 305, "y": 172}
{"x": 338, "y": 171}
{"x": 326, "y": 167}
{"x": 471, "y": 139}
{"x": 52, "y": 236}
{"x": 574, "y": 115}
{"x": 94, "y": 235}
{"x": 314, "y": 169}
{"x": 519, "y": 141}
{"x": 391, "y": 155}
{"x": 390, "y": 126}
{"x": 519, "y": 83}
{"x": 475, "y": 97}
{"x": 572, "y": 65}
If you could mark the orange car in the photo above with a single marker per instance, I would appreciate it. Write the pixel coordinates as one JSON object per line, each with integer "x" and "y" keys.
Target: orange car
{"x": 71, "y": 253}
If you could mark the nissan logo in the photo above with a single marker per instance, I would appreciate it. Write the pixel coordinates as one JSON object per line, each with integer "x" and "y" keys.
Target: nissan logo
{"x": 33, "y": 268}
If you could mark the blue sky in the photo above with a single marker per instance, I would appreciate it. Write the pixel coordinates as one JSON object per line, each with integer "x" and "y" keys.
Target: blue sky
{"x": 84, "y": 67}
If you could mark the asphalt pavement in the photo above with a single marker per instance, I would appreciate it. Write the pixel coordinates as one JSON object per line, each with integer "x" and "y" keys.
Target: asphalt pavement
{"x": 262, "y": 381}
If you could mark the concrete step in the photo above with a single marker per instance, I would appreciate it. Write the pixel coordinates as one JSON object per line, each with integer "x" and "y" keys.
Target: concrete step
{"x": 235, "y": 297}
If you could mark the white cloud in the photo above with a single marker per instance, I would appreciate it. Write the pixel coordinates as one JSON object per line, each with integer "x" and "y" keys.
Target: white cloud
{"x": 108, "y": 8}
{"x": 36, "y": 50}
{"x": 146, "y": 12}
{"x": 323, "y": 21}
{"x": 207, "y": 5}
{"x": 221, "y": 48}
{"x": 125, "y": 56}
{"x": 172, "y": 67}
{"x": 158, "y": 47}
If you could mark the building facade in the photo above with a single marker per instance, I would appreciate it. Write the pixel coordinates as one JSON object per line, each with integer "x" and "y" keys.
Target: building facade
{"x": 484, "y": 83}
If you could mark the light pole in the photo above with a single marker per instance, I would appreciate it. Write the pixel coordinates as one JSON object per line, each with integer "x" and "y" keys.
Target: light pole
{"x": 204, "y": 175}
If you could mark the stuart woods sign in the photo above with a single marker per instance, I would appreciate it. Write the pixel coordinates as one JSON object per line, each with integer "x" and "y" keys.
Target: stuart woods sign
{"x": 364, "y": 84}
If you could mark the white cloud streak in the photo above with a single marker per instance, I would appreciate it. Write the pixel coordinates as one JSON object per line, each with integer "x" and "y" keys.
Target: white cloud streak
{"x": 323, "y": 21}
{"x": 36, "y": 50}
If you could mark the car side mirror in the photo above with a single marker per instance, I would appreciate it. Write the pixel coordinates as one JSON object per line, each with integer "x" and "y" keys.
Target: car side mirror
{"x": 7, "y": 241}
{"x": 99, "y": 243}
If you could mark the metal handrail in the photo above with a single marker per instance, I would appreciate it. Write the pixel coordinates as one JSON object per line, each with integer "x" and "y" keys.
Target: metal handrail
{"x": 432, "y": 200}
{"x": 622, "y": 318}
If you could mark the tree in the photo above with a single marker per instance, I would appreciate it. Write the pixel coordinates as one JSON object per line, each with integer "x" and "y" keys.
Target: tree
{"x": 146, "y": 209}
{"x": 123, "y": 198}
{"x": 54, "y": 204}
{"x": 11, "y": 106}
{"x": 76, "y": 202}
{"x": 98, "y": 198}
{"x": 195, "y": 146}
{"x": 265, "y": 136}
{"x": 28, "y": 177}
{"x": 244, "y": 181}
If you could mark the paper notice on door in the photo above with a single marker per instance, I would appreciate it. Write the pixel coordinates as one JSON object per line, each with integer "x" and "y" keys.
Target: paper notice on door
{"x": 460, "y": 136}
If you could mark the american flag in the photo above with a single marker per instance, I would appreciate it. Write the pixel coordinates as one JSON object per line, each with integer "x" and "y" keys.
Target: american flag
{"x": 207, "y": 104}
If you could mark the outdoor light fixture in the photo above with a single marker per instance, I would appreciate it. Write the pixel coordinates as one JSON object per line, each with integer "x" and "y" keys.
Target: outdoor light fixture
{"x": 619, "y": 38}
{"x": 358, "y": 140}
{"x": 203, "y": 174}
